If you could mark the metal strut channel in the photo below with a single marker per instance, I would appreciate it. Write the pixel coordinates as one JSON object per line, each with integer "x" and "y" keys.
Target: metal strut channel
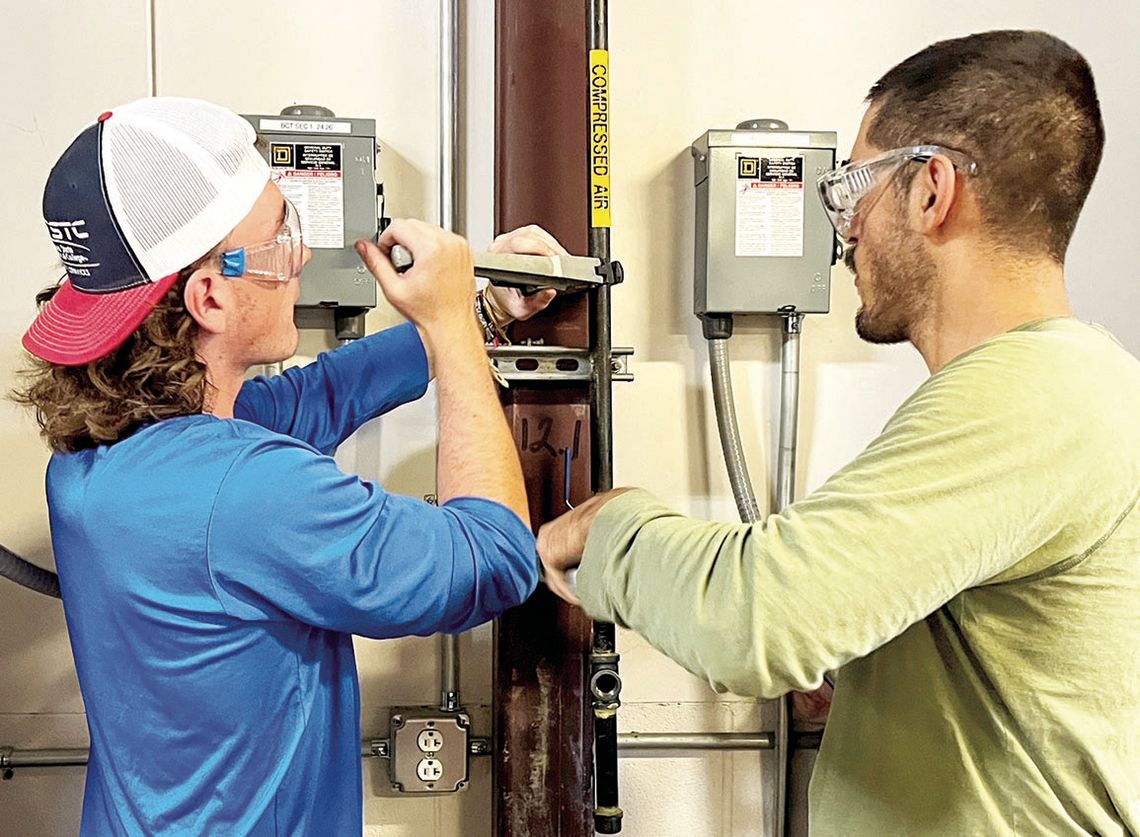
{"x": 533, "y": 364}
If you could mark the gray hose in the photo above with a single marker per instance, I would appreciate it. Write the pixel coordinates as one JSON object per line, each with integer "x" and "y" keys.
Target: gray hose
{"x": 730, "y": 432}
{"x": 14, "y": 568}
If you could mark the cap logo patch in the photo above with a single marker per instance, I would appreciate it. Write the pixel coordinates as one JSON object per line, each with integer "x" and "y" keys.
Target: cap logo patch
{"x": 66, "y": 236}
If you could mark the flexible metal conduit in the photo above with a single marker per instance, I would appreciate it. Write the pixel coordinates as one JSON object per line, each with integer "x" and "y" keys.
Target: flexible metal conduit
{"x": 14, "y": 568}
{"x": 725, "y": 408}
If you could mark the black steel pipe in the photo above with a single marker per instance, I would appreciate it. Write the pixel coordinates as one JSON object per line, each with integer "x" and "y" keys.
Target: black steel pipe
{"x": 605, "y": 681}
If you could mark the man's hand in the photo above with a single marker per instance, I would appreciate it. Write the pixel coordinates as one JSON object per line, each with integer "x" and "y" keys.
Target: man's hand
{"x": 437, "y": 291}
{"x": 562, "y": 541}
{"x": 477, "y": 455}
{"x": 510, "y": 303}
{"x": 809, "y": 709}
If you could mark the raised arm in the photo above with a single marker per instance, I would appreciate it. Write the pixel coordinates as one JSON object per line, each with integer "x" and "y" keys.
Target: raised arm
{"x": 477, "y": 456}
{"x": 945, "y": 500}
{"x": 324, "y": 402}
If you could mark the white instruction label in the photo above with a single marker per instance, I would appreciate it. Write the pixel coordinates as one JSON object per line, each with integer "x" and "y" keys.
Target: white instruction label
{"x": 311, "y": 176}
{"x": 769, "y": 206}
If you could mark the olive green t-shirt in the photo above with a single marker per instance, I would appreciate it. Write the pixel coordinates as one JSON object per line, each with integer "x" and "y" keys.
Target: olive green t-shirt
{"x": 976, "y": 574}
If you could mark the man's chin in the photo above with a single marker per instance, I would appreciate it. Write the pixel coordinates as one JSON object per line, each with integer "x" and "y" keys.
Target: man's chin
{"x": 872, "y": 332}
{"x": 284, "y": 353}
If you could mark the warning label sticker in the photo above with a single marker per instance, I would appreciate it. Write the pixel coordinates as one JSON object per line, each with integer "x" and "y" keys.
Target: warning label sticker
{"x": 311, "y": 176}
{"x": 769, "y": 206}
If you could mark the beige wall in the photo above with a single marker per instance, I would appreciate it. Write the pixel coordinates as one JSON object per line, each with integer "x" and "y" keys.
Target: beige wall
{"x": 679, "y": 68}
{"x": 46, "y": 93}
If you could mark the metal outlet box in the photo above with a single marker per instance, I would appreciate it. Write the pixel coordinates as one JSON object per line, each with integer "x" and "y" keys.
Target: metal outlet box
{"x": 429, "y": 750}
{"x": 326, "y": 165}
{"x": 764, "y": 244}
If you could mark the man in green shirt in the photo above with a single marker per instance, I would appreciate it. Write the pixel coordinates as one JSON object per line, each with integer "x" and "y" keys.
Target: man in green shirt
{"x": 976, "y": 570}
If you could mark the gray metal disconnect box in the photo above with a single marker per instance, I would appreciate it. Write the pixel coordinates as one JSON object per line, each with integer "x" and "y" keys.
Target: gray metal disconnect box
{"x": 764, "y": 244}
{"x": 326, "y": 165}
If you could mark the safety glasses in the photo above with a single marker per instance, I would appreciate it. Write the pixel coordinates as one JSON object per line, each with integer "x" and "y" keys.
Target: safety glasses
{"x": 843, "y": 189}
{"x": 278, "y": 260}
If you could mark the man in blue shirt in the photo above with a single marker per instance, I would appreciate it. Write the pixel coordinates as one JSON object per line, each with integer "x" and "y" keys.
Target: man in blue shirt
{"x": 214, "y": 562}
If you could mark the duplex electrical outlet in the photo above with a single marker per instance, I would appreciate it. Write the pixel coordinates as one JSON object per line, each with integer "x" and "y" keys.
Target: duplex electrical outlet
{"x": 429, "y": 750}
{"x": 429, "y": 770}
{"x": 430, "y": 741}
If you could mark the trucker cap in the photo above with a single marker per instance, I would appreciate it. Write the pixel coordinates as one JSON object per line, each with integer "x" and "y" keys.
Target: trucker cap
{"x": 142, "y": 193}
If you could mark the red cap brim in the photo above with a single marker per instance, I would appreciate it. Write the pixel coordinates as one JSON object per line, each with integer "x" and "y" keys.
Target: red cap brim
{"x": 75, "y": 328}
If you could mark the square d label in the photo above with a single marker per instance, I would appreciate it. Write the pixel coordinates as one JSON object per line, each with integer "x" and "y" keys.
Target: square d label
{"x": 747, "y": 167}
{"x": 282, "y": 155}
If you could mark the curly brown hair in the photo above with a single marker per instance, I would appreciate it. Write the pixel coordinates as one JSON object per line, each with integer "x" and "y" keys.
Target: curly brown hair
{"x": 155, "y": 374}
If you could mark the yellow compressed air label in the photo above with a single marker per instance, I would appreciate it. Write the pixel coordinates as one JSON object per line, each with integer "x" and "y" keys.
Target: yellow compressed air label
{"x": 599, "y": 138}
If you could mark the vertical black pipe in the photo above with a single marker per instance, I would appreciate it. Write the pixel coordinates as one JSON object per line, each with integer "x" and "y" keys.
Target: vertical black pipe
{"x": 605, "y": 682}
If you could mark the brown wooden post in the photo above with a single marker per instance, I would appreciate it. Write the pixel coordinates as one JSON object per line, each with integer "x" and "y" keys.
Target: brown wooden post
{"x": 543, "y": 741}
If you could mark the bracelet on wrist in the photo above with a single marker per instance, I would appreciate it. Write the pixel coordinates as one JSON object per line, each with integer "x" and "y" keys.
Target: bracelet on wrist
{"x": 498, "y": 316}
{"x": 493, "y": 333}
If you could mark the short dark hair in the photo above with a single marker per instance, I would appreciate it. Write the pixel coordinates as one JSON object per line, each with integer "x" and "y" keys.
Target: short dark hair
{"x": 1024, "y": 106}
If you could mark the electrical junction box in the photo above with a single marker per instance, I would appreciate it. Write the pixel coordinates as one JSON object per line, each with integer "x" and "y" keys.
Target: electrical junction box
{"x": 764, "y": 243}
{"x": 326, "y": 166}
{"x": 428, "y": 750}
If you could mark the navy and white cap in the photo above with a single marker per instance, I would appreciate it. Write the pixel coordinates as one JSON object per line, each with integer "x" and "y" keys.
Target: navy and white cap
{"x": 142, "y": 193}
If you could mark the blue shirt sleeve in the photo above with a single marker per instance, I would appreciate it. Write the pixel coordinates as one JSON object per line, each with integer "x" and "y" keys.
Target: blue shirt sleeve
{"x": 293, "y": 537}
{"x": 325, "y": 402}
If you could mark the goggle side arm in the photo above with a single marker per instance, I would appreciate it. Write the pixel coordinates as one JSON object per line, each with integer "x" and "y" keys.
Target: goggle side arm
{"x": 233, "y": 262}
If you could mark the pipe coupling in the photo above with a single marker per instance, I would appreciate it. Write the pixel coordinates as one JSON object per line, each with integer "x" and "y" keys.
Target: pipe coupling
{"x": 605, "y": 686}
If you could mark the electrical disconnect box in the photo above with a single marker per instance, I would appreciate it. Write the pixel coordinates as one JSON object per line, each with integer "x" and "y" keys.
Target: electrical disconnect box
{"x": 764, "y": 244}
{"x": 428, "y": 751}
{"x": 326, "y": 166}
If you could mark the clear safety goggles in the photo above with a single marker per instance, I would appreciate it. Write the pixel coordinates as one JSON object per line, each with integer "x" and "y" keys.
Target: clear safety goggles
{"x": 842, "y": 189}
{"x": 278, "y": 260}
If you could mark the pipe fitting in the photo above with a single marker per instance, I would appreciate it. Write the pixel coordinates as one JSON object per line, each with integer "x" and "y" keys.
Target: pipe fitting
{"x": 605, "y": 686}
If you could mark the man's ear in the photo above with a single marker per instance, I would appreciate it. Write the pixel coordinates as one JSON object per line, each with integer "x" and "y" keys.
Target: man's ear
{"x": 940, "y": 189}
{"x": 209, "y": 299}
